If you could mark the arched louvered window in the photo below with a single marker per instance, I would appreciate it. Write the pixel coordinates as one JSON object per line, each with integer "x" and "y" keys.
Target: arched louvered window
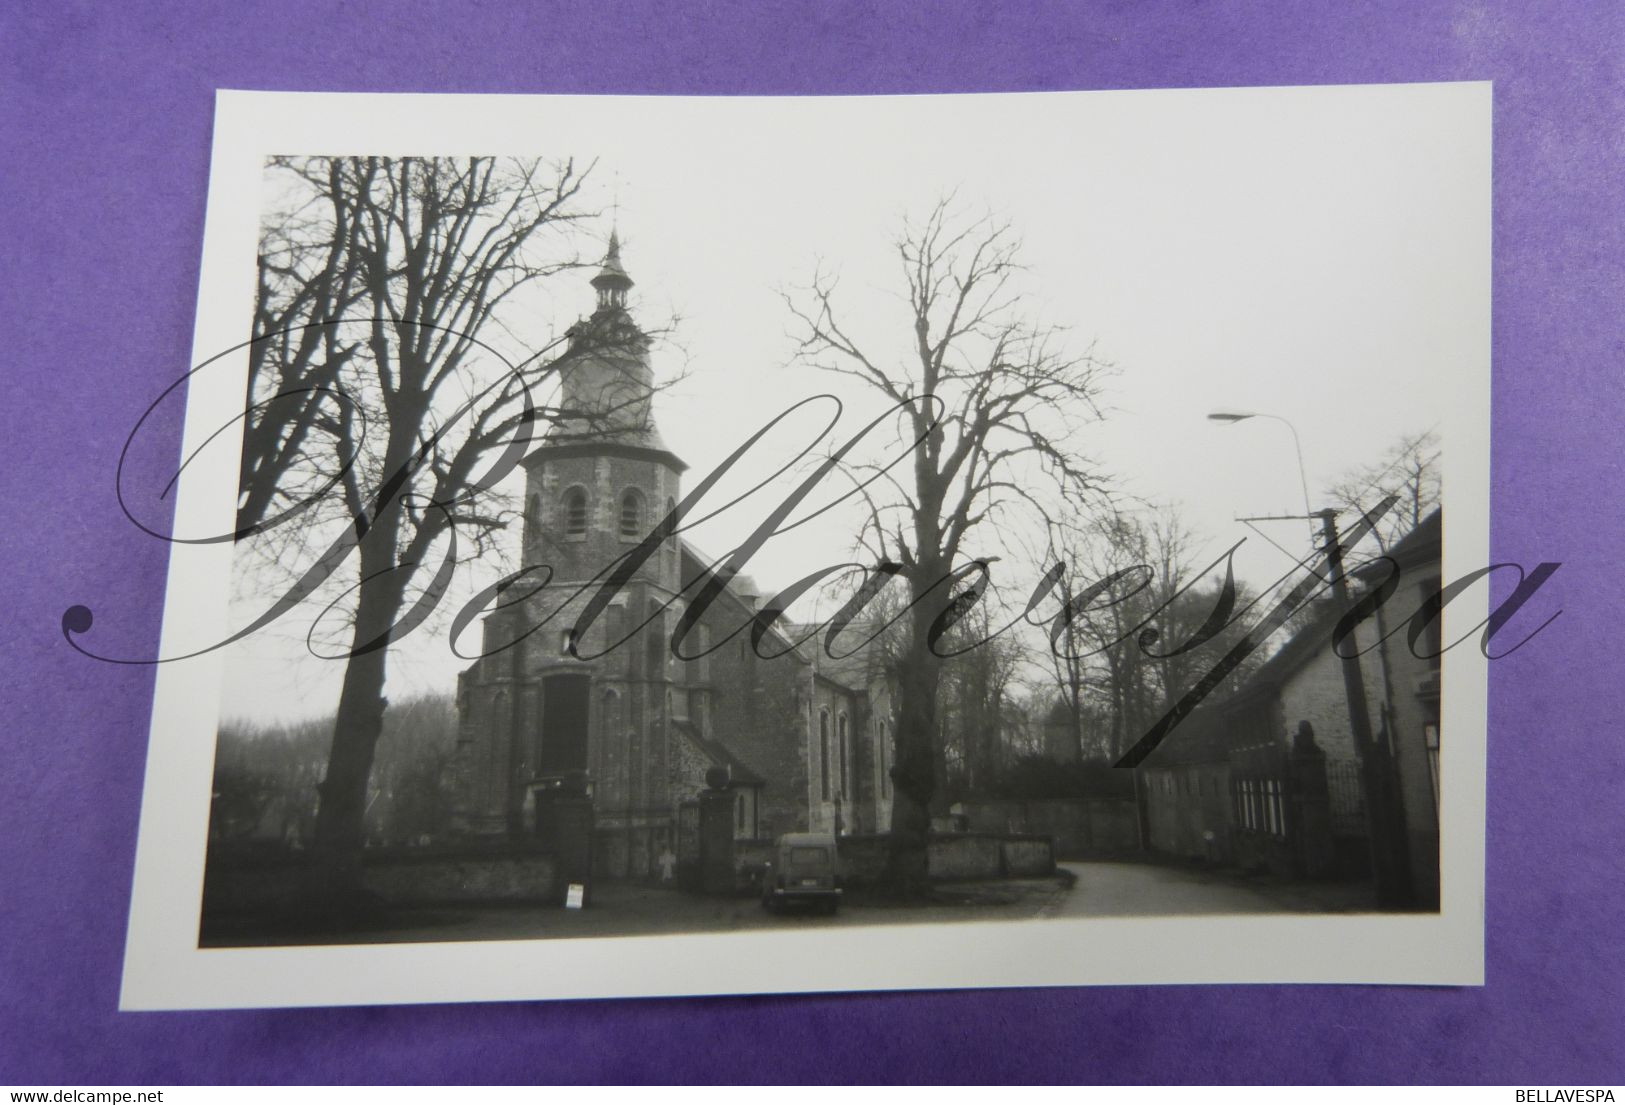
{"x": 575, "y": 512}
{"x": 631, "y": 513}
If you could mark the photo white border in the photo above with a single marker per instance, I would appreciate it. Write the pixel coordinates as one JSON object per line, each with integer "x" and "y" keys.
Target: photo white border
{"x": 165, "y": 969}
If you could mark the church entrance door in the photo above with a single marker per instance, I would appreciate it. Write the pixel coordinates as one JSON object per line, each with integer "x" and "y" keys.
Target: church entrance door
{"x": 564, "y": 724}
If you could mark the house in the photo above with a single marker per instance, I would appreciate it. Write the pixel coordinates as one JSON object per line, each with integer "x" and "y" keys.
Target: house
{"x": 1269, "y": 775}
{"x": 1411, "y": 689}
{"x": 803, "y": 742}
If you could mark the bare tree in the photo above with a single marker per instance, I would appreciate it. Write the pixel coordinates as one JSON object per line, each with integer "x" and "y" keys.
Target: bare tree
{"x": 991, "y": 405}
{"x": 308, "y": 281}
{"x": 400, "y": 416}
{"x": 1146, "y": 619}
{"x": 1098, "y": 655}
{"x": 1067, "y": 660}
{"x": 1408, "y": 470}
{"x": 980, "y": 712}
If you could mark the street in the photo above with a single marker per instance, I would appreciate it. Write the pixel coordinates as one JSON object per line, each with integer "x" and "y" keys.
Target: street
{"x": 1144, "y": 889}
{"x": 630, "y": 909}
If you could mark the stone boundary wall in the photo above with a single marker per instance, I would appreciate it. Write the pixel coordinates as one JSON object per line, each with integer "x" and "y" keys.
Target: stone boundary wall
{"x": 954, "y": 856}
{"x": 258, "y": 881}
{"x": 1080, "y": 827}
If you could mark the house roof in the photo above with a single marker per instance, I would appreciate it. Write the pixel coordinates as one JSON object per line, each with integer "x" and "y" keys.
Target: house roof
{"x": 1205, "y": 734}
{"x": 1301, "y": 648}
{"x": 1201, "y": 738}
{"x": 1423, "y": 545}
{"x": 1420, "y": 546}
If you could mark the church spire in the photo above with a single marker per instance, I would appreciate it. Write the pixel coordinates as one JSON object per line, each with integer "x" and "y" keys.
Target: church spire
{"x": 612, "y": 282}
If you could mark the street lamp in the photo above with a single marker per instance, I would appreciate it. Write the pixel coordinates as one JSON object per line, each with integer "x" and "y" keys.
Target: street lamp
{"x": 1389, "y": 859}
{"x": 1303, "y": 478}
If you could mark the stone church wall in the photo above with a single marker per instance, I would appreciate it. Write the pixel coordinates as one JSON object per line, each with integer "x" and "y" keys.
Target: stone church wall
{"x": 755, "y": 713}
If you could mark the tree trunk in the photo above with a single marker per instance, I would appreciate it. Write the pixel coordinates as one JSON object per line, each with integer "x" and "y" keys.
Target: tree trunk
{"x": 340, "y": 832}
{"x": 914, "y": 773}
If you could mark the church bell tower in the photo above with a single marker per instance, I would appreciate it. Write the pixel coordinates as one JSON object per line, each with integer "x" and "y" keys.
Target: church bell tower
{"x": 539, "y": 718}
{"x": 603, "y": 477}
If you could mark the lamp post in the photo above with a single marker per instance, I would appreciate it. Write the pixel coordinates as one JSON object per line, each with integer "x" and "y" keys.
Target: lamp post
{"x": 1385, "y": 812}
{"x": 1297, "y": 446}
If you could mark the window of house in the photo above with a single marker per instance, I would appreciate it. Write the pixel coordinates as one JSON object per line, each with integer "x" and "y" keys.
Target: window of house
{"x": 739, "y": 816}
{"x": 631, "y": 513}
{"x": 846, "y": 786}
{"x": 533, "y": 519}
{"x": 575, "y": 512}
{"x": 823, "y": 754}
{"x": 1274, "y": 808}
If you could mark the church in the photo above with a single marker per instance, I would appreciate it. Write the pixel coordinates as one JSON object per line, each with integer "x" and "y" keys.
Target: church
{"x": 803, "y": 741}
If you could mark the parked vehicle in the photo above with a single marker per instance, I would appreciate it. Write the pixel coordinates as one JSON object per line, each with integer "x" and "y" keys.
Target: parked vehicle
{"x": 803, "y": 871}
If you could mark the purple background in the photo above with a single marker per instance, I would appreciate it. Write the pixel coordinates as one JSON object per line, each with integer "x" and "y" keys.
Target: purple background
{"x": 106, "y": 146}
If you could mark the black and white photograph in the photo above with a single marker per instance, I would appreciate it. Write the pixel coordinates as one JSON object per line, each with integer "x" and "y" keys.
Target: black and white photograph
{"x": 685, "y": 546}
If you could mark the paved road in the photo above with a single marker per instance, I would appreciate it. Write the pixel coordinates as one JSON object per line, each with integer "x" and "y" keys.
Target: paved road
{"x": 1143, "y": 889}
{"x": 629, "y": 909}
{"x": 624, "y": 909}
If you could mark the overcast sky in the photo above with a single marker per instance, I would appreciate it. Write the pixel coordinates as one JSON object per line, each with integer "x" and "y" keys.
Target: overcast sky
{"x": 1317, "y": 254}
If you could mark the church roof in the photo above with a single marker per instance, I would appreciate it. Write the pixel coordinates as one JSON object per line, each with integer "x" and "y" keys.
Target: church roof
{"x": 851, "y": 673}
{"x": 610, "y": 337}
{"x": 611, "y": 273}
{"x": 719, "y": 754}
{"x": 634, "y": 444}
